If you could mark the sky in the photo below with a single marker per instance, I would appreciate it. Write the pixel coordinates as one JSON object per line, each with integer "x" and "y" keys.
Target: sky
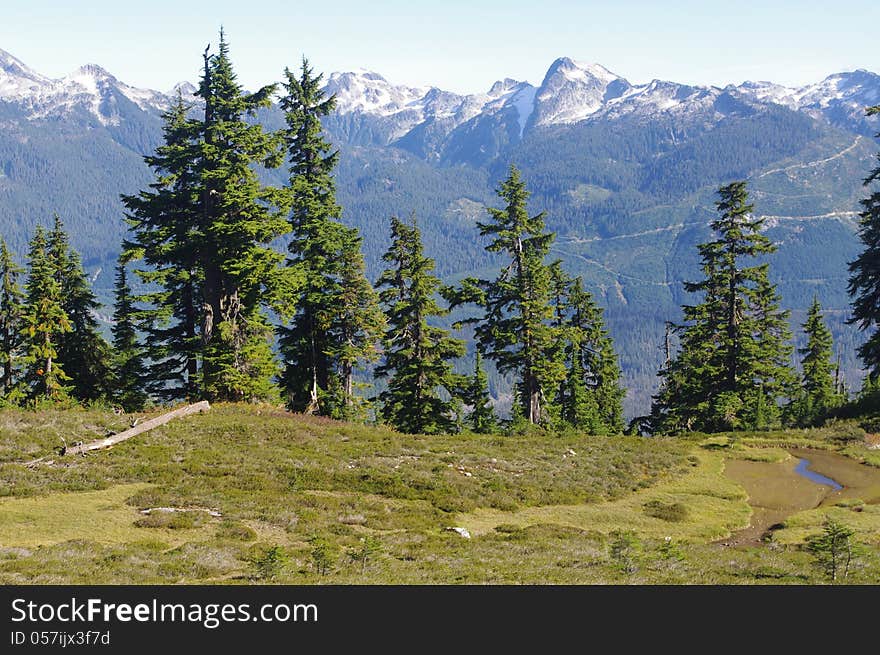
{"x": 457, "y": 45}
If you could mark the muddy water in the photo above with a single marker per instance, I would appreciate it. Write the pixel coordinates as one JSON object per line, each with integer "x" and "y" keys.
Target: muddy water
{"x": 778, "y": 490}
{"x": 857, "y": 480}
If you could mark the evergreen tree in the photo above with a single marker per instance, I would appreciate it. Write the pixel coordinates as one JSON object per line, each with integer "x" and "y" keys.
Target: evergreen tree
{"x": 128, "y": 369}
{"x": 240, "y": 218}
{"x": 317, "y": 242}
{"x": 356, "y": 327}
{"x": 818, "y": 391}
{"x": 45, "y": 324}
{"x": 594, "y": 363}
{"x": 481, "y": 417}
{"x": 864, "y": 281}
{"x": 732, "y": 368}
{"x": 168, "y": 237}
{"x": 516, "y": 330}
{"x": 12, "y": 316}
{"x": 772, "y": 376}
{"x": 417, "y": 354}
{"x": 337, "y": 322}
{"x": 590, "y": 397}
{"x": 82, "y": 352}
{"x": 205, "y": 228}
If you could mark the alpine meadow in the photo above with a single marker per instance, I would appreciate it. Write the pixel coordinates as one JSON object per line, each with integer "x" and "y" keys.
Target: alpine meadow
{"x": 337, "y": 330}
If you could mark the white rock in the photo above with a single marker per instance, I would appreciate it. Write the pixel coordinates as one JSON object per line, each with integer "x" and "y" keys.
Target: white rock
{"x": 461, "y": 531}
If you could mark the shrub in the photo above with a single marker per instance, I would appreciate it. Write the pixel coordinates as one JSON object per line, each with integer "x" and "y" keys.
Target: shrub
{"x": 673, "y": 512}
{"x": 324, "y": 555}
{"x": 369, "y": 547}
{"x": 624, "y": 551}
{"x": 833, "y": 549}
{"x": 235, "y": 530}
{"x": 507, "y": 528}
{"x": 173, "y": 520}
{"x": 270, "y": 562}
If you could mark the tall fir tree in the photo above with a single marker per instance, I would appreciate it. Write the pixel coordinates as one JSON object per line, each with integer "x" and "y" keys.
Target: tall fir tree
{"x": 772, "y": 376}
{"x": 417, "y": 355}
{"x": 337, "y": 320}
{"x": 516, "y": 329}
{"x": 167, "y": 236}
{"x": 590, "y": 398}
{"x": 593, "y": 361}
{"x": 83, "y": 352}
{"x": 129, "y": 370}
{"x": 732, "y": 368}
{"x": 818, "y": 392}
{"x": 46, "y": 323}
{"x": 357, "y": 324}
{"x": 12, "y": 317}
{"x": 205, "y": 229}
{"x": 240, "y": 218}
{"x": 481, "y": 417}
{"x": 864, "y": 280}
{"x": 316, "y": 244}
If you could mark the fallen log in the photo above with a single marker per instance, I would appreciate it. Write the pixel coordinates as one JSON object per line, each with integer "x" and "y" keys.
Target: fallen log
{"x": 146, "y": 426}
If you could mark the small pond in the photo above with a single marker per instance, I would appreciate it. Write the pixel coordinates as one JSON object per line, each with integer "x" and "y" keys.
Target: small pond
{"x": 809, "y": 479}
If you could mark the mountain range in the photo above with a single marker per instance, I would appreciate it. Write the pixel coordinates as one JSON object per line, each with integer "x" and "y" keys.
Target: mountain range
{"x": 626, "y": 172}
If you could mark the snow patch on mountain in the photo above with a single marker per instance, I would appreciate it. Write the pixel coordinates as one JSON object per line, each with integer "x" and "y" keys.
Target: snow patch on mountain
{"x": 524, "y": 102}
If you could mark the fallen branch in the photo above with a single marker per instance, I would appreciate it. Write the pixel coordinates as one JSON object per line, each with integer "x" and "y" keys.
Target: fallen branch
{"x": 213, "y": 512}
{"x": 112, "y": 440}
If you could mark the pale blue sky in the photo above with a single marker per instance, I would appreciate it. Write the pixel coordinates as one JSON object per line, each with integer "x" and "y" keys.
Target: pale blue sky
{"x": 459, "y": 45}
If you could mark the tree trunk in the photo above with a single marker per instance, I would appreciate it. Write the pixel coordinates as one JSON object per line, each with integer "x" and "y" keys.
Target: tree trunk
{"x": 314, "y": 405}
{"x": 192, "y": 363}
{"x": 348, "y": 379}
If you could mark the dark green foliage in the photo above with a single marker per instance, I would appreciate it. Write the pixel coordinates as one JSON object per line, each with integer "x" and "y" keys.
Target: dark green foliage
{"x": 324, "y": 553}
{"x": 833, "y": 550}
{"x": 336, "y": 321}
{"x": 129, "y": 371}
{"x": 818, "y": 392}
{"x": 355, "y": 330}
{"x": 205, "y": 229}
{"x": 167, "y": 236}
{"x": 417, "y": 354}
{"x": 83, "y": 352}
{"x": 45, "y": 324}
{"x": 239, "y": 217}
{"x": 12, "y": 317}
{"x": 625, "y": 551}
{"x": 733, "y": 366}
{"x": 590, "y": 398}
{"x": 270, "y": 562}
{"x": 475, "y": 394}
{"x": 864, "y": 281}
{"x": 515, "y": 330}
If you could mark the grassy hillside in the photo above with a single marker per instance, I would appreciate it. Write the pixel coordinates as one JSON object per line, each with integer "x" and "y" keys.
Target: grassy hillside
{"x": 265, "y": 496}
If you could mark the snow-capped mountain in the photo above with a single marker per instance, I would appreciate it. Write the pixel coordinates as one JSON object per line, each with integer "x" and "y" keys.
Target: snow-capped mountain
{"x": 372, "y": 109}
{"x": 89, "y": 87}
{"x": 573, "y": 92}
{"x": 840, "y": 98}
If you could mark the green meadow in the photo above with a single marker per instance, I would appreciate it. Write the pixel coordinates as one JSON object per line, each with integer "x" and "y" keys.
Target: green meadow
{"x": 252, "y": 494}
